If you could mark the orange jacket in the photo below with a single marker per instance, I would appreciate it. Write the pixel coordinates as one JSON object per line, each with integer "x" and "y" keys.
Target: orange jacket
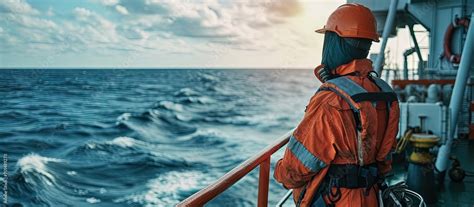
{"x": 327, "y": 135}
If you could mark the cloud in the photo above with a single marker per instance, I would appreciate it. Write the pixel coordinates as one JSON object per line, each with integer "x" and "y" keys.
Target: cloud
{"x": 17, "y": 7}
{"x": 149, "y": 27}
{"x": 121, "y": 9}
{"x": 23, "y": 26}
{"x": 50, "y": 12}
{"x": 94, "y": 28}
{"x": 219, "y": 21}
{"x": 108, "y": 2}
{"x": 31, "y": 22}
{"x": 82, "y": 13}
{"x": 285, "y": 7}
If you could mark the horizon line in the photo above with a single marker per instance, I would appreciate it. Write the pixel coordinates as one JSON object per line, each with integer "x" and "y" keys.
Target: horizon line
{"x": 156, "y": 68}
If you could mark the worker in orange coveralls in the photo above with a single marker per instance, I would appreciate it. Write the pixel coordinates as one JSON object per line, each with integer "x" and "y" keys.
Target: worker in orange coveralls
{"x": 341, "y": 150}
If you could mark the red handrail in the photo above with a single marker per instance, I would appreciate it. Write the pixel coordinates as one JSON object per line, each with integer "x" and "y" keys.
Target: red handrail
{"x": 262, "y": 158}
{"x": 426, "y": 82}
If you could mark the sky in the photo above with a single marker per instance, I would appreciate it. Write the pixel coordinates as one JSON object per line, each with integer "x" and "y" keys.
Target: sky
{"x": 162, "y": 33}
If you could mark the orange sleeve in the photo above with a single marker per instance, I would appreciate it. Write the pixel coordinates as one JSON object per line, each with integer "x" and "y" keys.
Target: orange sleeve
{"x": 389, "y": 142}
{"x": 310, "y": 148}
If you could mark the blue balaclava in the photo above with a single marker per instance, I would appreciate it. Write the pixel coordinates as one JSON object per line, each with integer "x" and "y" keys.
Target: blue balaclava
{"x": 338, "y": 51}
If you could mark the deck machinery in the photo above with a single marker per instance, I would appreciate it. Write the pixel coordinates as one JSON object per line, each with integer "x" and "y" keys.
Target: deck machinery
{"x": 436, "y": 93}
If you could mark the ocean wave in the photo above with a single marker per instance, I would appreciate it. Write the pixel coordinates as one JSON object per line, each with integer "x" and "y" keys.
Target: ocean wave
{"x": 203, "y": 140}
{"x": 170, "y": 106}
{"x": 185, "y": 92}
{"x": 132, "y": 161}
{"x": 92, "y": 200}
{"x": 199, "y": 100}
{"x": 6, "y": 134}
{"x": 127, "y": 152}
{"x": 28, "y": 145}
{"x": 123, "y": 117}
{"x": 174, "y": 133}
{"x": 208, "y": 77}
{"x": 16, "y": 115}
{"x": 184, "y": 117}
{"x": 123, "y": 142}
{"x": 34, "y": 107}
{"x": 36, "y": 164}
{"x": 35, "y": 179}
{"x": 263, "y": 121}
{"x": 170, "y": 187}
{"x": 91, "y": 125}
{"x": 155, "y": 125}
{"x": 51, "y": 112}
{"x": 189, "y": 96}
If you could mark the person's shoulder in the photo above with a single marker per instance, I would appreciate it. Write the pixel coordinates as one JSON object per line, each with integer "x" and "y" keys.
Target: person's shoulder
{"x": 328, "y": 99}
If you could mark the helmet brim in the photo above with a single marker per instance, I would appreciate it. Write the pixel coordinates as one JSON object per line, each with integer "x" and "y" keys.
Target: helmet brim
{"x": 321, "y": 31}
{"x": 324, "y": 30}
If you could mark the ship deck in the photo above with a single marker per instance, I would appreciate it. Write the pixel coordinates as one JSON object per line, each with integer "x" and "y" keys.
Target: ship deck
{"x": 451, "y": 193}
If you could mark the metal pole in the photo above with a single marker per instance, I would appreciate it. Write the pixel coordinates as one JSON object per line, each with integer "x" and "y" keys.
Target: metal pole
{"x": 405, "y": 62}
{"x": 386, "y": 32}
{"x": 457, "y": 98}
{"x": 285, "y": 198}
{"x": 405, "y": 67}
{"x": 418, "y": 52}
{"x": 263, "y": 182}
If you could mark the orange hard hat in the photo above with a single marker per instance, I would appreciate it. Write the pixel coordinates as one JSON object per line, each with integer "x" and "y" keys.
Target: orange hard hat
{"x": 352, "y": 20}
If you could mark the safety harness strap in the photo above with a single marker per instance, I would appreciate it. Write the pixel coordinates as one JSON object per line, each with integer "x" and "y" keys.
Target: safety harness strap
{"x": 359, "y": 94}
{"x": 348, "y": 175}
{"x": 375, "y": 96}
{"x": 347, "y": 85}
{"x": 353, "y": 93}
{"x": 354, "y": 109}
{"x": 353, "y": 176}
{"x": 385, "y": 88}
{"x": 382, "y": 84}
{"x": 350, "y": 88}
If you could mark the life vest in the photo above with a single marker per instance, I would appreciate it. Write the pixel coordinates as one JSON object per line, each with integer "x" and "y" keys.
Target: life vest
{"x": 357, "y": 98}
{"x": 362, "y": 103}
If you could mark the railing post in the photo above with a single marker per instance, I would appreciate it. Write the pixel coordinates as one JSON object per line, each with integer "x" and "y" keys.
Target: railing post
{"x": 263, "y": 183}
{"x": 261, "y": 159}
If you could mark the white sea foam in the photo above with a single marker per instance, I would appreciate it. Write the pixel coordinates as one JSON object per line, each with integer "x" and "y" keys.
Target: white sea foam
{"x": 184, "y": 117}
{"x": 122, "y": 142}
{"x": 123, "y": 117}
{"x": 34, "y": 163}
{"x": 71, "y": 173}
{"x": 201, "y": 100}
{"x": 91, "y": 145}
{"x": 165, "y": 189}
{"x": 201, "y": 132}
{"x": 102, "y": 191}
{"x": 93, "y": 200}
{"x": 172, "y": 106}
{"x": 208, "y": 77}
{"x": 186, "y": 92}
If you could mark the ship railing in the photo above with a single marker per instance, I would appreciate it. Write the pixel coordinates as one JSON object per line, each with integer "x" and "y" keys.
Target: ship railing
{"x": 261, "y": 159}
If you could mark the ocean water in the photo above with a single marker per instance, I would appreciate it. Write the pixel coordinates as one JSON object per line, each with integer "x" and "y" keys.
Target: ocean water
{"x": 141, "y": 137}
